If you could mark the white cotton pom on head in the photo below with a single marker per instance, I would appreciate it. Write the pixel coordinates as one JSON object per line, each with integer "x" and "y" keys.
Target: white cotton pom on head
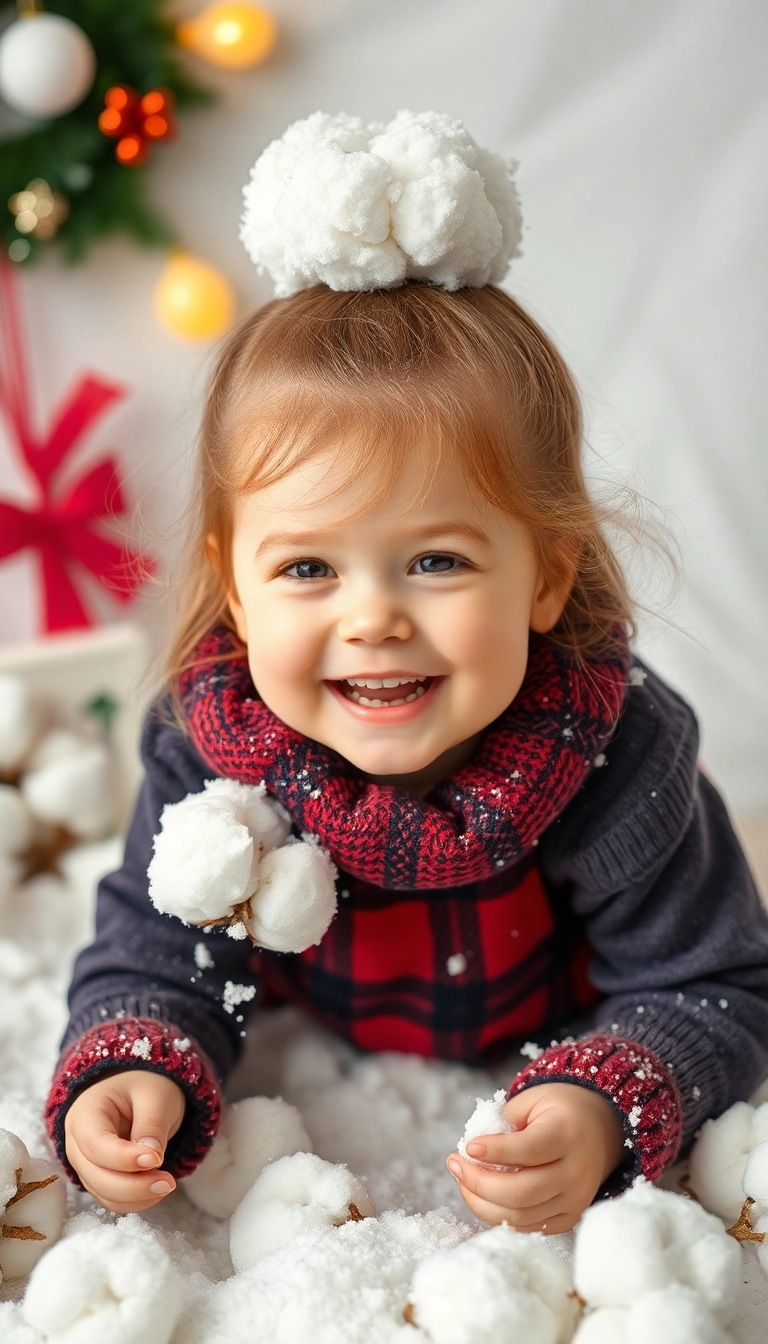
{"x": 104, "y": 1286}
{"x": 719, "y": 1156}
{"x": 20, "y": 721}
{"x": 253, "y": 1132}
{"x": 15, "y": 821}
{"x": 648, "y": 1239}
{"x": 487, "y": 1118}
{"x": 295, "y": 900}
{"x": 204, "y": 861}
{"x": 359, "y": 206}
{"x": 498, "y": 1286}
{"x": 39, "y": 1211}
{"x": 755, "y": 1179}
{"x": 294, "y": 1196}
{"x": 69, "y": 782}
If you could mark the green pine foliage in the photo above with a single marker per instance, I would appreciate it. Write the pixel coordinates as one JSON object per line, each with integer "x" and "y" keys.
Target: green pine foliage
{"x": 134, "y": 45}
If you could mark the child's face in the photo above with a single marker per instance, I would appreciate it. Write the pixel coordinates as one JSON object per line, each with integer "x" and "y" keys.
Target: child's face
{"x": 432, "y": 594}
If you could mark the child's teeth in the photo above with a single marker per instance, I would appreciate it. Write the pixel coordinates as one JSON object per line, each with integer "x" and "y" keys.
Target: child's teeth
{"x": 409, "y": 698}
{"x": 420, "y": 690}
{"x": 354, "y": 695}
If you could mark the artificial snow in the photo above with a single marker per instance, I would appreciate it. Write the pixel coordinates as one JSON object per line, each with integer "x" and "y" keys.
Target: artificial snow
{"x": 360, "y": 206}
{"x": 391, "y": 1118}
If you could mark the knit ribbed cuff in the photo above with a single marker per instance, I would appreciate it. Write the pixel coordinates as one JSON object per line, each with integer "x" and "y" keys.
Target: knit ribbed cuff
{"x": 140, "y": 1043}
{"x": 639, "y": 1086}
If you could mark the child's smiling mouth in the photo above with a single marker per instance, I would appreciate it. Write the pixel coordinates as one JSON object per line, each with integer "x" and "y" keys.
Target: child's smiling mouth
{"x": 385, "y": 692}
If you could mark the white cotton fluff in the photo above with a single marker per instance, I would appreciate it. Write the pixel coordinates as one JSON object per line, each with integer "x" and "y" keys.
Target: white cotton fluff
{"x": 15, "y": 821}
{"x": 20, "y": 720}
{"x": 69, "y": 782}
{"x": 719, "y": 1156}
{"x": 293, "y": 1196}
{"x": 209, "y": 847}
{"x": 10, "y": 875}
{"x": 104, "y": 1286}
{"x": 295, "y": 899}
{"x": 499, "y": 1286}
{"x": 649, "y": 1239}
{"x": 253, "y": 1132}
{"x": 755, "y": 1180}
{"x": 361, "y": 206}
{"x": 487, "y": 1118}
{"x": 42, "y": 1209}
{"x": 673, "y": 1315}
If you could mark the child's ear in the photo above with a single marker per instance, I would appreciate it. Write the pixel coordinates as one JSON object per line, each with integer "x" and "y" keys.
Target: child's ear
{"x": 553, "y": 588}
{"x": 233, "y": 602}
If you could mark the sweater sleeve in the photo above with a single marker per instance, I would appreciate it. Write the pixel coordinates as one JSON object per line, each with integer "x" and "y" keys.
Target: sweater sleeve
{"x": 149, "y": 991}
{"x": 648, "y": 858}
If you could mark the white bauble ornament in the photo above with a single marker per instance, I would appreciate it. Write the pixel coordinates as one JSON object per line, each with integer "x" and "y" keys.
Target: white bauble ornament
{"x": 292, "y": 1197}
{"x": 253, "y": 1132}
{"x": 32, "y": 1206}
{"x": 47, "y": 65}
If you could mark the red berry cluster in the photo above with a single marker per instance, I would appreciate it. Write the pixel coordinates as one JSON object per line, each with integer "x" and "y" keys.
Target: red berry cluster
{"x": 136, "y": 121}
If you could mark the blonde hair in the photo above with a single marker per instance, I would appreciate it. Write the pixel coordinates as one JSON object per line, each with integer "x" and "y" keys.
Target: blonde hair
{"x": 415, "y": 370}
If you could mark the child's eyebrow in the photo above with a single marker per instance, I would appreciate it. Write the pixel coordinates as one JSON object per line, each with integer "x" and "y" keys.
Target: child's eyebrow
{"x": 275, "y": 540}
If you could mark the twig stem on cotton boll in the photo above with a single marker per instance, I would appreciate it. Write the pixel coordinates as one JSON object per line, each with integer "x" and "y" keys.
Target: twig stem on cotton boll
{"x": 25, "y": 1188}
{"x": 742, "y": 1229}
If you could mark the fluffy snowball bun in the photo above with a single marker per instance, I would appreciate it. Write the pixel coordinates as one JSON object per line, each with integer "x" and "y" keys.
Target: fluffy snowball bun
{"x": 719, "y": 1156}
{"x": 650, "y": 1239}
{"x": 104, "y": 1287}
{"x": 253, "y": 1132}
{"x": 361, "y": 205}
{"x": 291, "y": 1197}
{"x": 33, "y": 1198}
{"x": 498, "y": 1286}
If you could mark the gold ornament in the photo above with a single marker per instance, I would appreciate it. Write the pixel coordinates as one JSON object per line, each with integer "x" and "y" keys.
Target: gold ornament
{"x": 193, "y": 299}
{"x": 234, "y": 36}
{"x": 38, "y": 210}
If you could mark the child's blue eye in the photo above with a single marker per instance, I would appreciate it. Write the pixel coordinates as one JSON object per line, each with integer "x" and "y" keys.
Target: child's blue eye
{"x": 438, "y": 564}
{"x": 308, "y": 569}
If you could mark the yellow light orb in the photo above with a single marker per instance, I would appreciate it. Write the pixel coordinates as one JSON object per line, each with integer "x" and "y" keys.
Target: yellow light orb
{"x": 234, "y": 36}
{"x": 192, "y": 299}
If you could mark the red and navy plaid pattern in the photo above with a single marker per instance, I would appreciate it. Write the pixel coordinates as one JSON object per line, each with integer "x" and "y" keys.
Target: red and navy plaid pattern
{"x": 531, "y": 762}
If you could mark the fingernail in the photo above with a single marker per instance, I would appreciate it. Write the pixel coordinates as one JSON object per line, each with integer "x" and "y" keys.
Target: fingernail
{"x": 151, "y": 1143}
{"x": 160, "y": 1188}
{"x": 454, "y": 1167}
{"x": 148, "y": 1160}
{"x": 477, "y": 1149}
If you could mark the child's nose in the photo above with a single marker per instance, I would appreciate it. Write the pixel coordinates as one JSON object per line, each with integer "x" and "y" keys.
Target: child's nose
{"x": 374, "y": 619}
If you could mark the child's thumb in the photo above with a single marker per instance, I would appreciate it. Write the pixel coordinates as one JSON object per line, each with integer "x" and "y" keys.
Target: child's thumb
{"x": 149, "y": 1128}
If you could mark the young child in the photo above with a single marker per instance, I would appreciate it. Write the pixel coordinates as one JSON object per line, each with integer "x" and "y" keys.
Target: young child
{"x": 401, "y": 612}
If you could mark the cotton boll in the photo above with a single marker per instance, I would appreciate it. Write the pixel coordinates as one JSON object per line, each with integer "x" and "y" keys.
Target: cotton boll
{"x": 20, "y": 721}
{"x": 10, "y": 876}
{"x": 104, "y": 1285}
{"x": 295, "y": 900}
{"x": 253, "y": 1132}
{"x": 69, "y": 783}
{"x": 32, "y": 1197}
{"x": 293, "y": 1196}
{"x": 204, "y": 861}
{"x": 608, "y": 1325}
{"x": 15, "y": 821}
{"x": 500, "y": 1285}
{"x": 719, "y": 1156}
{"x": 674, "y": 1315}
{"x": 755, "y": 1180}
{"x": 648, "y": 1239}
{"x": 487, "y": 1118}
{"x": 268, "y": 822}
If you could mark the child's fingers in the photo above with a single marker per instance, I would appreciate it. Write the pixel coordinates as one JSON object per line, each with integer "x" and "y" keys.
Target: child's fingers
{"x": 522, "y": 1220}
{"x": 520, "y": 1190}
{"x": 122, "y": 1191}
{"x": 92, "y": 1129}
{"x": 540, "y": 1142}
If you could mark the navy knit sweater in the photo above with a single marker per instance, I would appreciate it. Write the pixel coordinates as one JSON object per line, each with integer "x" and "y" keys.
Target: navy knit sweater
{"x": 650, "y": 912}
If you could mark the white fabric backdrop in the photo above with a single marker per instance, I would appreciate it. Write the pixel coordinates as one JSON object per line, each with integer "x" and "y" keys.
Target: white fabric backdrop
{"x": 641, "y": 130}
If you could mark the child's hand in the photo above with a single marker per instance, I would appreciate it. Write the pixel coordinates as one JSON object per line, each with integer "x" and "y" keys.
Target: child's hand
{"x": 568, "y": 1140}
{"x": 116, "y": 1131}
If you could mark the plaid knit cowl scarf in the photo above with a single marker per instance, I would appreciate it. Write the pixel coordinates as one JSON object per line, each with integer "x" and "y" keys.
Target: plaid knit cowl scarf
{"x": 529, "y": 765}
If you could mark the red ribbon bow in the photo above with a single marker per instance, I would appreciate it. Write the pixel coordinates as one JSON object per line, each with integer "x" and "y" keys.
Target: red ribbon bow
{"x": 61, "y": 526}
